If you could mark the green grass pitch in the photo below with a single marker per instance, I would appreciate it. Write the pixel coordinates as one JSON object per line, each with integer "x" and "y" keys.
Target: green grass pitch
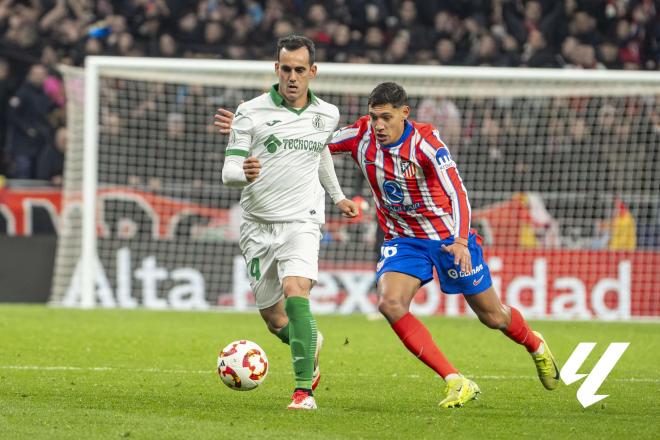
{"x": 140, "y": 374}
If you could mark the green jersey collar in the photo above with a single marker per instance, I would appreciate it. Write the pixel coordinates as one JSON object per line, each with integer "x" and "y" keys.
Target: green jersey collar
{"x": 280, "y": 102}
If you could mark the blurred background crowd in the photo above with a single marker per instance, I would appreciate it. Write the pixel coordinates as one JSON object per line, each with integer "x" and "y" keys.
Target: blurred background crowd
{"x": 38, "y": 35}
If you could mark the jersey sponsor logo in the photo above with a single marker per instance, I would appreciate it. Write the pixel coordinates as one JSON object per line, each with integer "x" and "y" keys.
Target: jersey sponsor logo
{"x": 453, "y": 273}
{"x": 403, "y": 208}
{"x": 443, "y": 158}
{"x": 318, "y": 123}
{"x": 273, "y": 122}
{"x": 272, "y": 143}
{"x": 303, "y": 144}
{"x": 393, "y": 192}
{"x": 408, "y": 169}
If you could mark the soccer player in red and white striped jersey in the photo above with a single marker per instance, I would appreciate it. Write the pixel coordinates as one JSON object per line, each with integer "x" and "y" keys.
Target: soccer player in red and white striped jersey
{"x": 417, "y": 189}
{"x": 423, "y": 208}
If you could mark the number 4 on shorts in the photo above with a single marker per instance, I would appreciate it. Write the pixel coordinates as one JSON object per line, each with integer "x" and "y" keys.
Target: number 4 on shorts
{"x": 254, "y": 269}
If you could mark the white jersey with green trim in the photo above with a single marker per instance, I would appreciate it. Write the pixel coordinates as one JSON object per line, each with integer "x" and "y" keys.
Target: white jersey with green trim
{"x": 288, "y": 143}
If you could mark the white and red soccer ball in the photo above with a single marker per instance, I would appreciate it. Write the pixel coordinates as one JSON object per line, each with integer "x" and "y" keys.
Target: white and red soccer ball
{"x": 242, "y": 365}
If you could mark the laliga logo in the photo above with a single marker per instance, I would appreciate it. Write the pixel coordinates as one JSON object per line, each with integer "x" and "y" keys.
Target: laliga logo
{"x": 586, "y": 394}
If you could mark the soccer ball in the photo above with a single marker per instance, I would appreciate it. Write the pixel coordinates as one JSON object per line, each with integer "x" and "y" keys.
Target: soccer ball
{"x": 242, "y": 365}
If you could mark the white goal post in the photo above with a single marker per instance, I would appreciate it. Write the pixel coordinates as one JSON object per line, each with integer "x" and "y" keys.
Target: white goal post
{"x": 561, "y": 167}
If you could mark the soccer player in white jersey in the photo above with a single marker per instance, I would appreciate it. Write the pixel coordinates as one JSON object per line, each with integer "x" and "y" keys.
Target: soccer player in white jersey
{"x": 277, "y": 153}
{"x": 423, "y": 208}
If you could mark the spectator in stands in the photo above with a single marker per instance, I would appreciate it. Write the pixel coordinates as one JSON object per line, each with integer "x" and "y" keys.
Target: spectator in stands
{"x": 316, "y": 25}
{"x": 567, "y": 57}
{"x": 125, "y": 44}
{"x": 570, "y": 151}
{"x": 487, "y": 152}
{"x": 343, "y": 44}
{"x": 398, "y": 52}
{"x": 652, "y": 163}
{"x": 445, "y": 51}
{"x": 444, "y": 115}
{"x": 522, "y": 18}
{"x": 585, "y": 57}
{"x": 6, "y": 87}
{"x": 50, "y": 164}
{"x": 94, "y": 46}
{"x": 608, "y": 55}
{"x": 189, "y": 32}
{"x": 167, "y": 47}
{"x": 487, "y": 52}
{"x": 28, "y": 127}
{"x": 417, "y": 30}
{"x": 535, "y": 33}
{"x": 213, "y": 34}
{"x": 583, "y": 28}
{"x": 536, "y": 52}
{"x": 445, "y": 25}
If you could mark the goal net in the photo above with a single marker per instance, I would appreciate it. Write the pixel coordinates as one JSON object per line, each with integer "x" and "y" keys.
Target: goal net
{"x": 562, "y": 170}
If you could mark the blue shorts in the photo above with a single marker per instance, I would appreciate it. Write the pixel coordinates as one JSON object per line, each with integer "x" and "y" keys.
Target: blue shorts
{"x": 417, "y": 257}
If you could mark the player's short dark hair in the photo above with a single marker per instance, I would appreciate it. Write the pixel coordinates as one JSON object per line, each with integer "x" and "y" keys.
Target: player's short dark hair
{"x": 388, "y": 93}
{"x": 293, "y": 42}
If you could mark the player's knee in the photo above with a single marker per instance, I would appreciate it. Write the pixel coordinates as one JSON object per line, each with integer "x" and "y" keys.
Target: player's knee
{"x": 273, "y": 329}
{"x": 391, "y": 307}
{"x": 494, "y": 320}
{"x": 274, "y": 326}
{"x": 275, "y": 322}
{"x": 295, "y": 290}
{"x": 296, "y": 287}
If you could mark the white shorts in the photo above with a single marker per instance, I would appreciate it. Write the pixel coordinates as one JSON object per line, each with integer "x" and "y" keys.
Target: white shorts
{"x": 273, "y": 251}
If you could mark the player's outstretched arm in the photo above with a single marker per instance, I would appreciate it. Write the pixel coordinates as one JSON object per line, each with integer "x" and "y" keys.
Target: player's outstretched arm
{"x": 328, "y": 179}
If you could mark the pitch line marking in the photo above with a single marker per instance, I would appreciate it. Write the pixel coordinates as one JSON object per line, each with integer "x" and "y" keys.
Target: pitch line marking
{"x": 212, "y": 371}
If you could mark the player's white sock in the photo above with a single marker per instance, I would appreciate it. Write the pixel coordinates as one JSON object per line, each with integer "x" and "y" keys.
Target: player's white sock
{"x": 539, "y": 350}
{"x": 451, "y": 376}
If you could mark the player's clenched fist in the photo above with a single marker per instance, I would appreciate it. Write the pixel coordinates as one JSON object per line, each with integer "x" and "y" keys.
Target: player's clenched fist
{"x": 251, "y": 168}
{"x": 348, "y": 208}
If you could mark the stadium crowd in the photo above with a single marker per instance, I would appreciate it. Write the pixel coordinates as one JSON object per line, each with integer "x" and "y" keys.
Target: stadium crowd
{"x": 37, "y": 35}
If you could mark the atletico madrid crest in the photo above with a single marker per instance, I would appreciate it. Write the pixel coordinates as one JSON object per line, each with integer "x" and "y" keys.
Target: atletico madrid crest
{"x": 408, "y": 169}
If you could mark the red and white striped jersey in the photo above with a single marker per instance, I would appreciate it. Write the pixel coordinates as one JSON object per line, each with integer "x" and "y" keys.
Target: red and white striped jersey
{"x": 416, "y": 186}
